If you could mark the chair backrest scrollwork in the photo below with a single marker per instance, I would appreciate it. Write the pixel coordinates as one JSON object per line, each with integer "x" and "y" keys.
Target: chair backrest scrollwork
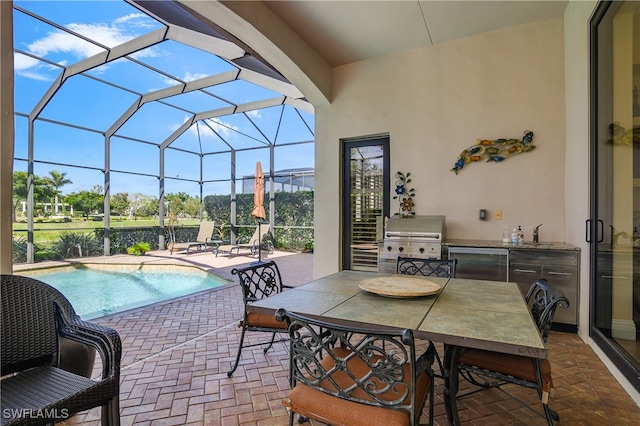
{"x": 371, "y": 367}
{"x": 259, "y": 280}
{"x": 543, "y": 300}
{"x": 426, "y": 267}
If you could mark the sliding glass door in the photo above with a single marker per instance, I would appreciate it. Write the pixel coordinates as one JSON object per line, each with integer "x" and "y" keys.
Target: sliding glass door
{"x": 615, "y": 185}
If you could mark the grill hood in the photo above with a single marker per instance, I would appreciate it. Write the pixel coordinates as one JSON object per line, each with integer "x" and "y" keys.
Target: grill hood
{"x": 430, "y": 227}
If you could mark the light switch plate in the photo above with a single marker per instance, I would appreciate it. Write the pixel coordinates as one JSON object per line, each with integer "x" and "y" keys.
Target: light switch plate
{"x": 497, "y": 214}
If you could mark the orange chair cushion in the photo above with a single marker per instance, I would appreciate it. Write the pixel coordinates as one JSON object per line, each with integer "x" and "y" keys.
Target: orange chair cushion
{"x": 330, "y": 409}
{"x": 263, "y": 320}
{"x": 521, "y": 367}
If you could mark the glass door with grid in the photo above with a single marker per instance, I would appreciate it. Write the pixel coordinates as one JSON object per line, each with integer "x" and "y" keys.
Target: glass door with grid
{"x": 366, "y": 201}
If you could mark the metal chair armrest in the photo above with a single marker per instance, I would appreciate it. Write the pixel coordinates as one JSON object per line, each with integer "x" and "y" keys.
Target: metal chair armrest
{"x": 425, "y": 361}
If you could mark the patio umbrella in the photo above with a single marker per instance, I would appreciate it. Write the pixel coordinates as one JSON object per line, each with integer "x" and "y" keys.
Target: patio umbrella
{"x": 258, "y": 201}
{"x": 258, "y": 194}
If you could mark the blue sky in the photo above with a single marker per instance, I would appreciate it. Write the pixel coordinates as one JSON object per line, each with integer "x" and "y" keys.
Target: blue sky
{"x": 91, "y": 106}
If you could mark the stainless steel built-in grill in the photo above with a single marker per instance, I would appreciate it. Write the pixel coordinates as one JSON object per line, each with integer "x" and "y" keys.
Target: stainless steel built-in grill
{"x": 419, "y": 236}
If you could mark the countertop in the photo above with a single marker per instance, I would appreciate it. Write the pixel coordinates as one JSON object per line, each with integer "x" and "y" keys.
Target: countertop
{"x": 526, "y": 245}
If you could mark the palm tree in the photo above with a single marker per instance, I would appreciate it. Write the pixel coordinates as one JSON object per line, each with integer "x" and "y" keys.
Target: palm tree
{"x": 58, "y": 180}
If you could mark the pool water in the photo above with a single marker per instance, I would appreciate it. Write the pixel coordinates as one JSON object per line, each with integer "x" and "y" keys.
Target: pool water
{"x": 97, "y": 292}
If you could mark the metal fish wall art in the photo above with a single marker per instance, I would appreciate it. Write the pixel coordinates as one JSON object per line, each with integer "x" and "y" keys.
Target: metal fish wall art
{"x": 494, "y": 150}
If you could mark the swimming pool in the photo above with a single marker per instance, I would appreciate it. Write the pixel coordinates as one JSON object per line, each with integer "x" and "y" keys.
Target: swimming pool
{"x": 95, "y": 292}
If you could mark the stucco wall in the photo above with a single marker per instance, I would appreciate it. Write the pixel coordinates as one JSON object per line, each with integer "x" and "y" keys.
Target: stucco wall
{"x": 436, "y": 101}
{"x": 577, "y": 141}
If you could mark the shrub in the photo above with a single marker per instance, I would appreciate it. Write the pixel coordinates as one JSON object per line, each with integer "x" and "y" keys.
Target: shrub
{"x": 138, "y": 249}
{"x": 19, "y": 251}
{"x": 121, "y": 238}
{"x": 77, "y": 244}
{"x": 45, "y": 254}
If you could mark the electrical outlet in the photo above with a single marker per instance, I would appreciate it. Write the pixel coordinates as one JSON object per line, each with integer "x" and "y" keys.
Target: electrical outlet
{"x": 497, "y": 214}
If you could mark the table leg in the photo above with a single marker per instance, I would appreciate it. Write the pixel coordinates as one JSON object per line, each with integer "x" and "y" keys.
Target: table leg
{"x": 451, "y": 383}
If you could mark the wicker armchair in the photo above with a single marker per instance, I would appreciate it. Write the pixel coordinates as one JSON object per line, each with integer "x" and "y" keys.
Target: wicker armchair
{"x": 34, "y": 390}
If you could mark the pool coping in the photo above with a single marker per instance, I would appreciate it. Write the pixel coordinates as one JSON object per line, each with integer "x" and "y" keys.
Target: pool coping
{"x": 123, "y": 267}
{"x": 164, "y": 302}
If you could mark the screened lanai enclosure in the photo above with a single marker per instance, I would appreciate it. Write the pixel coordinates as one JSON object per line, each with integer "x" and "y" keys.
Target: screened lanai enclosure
{"x": 133, "y": 116}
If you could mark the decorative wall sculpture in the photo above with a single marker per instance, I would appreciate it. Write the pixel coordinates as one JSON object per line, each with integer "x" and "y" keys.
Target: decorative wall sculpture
{"x": 404, "y": 195}
{"x": 494, "y": 150}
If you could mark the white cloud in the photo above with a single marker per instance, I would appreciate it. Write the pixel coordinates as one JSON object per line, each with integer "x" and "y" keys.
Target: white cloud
{"x": 34, "y": 75}
{"x": 28, "y": 67}
{"x": 22, "y": 62}
{"x": 205, "y": 132}
{"x": 59, "y": 42}
{"x": 254, "y": 113}
{"x": 131, "y": 17}
{"x": 192, "y": 77}
{"x": 149, "y": 52}
{"x": 222, "y": 128}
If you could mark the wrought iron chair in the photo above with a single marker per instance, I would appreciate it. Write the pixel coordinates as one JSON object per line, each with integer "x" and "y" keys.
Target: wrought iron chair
{"x": 353, "y": 376}
{"x": 489, "y": 369}
{"x": 445, "y": 268}
{"x": 34, "y": 317}
{"x": 426, "y": 267}
{"x": 258, "y": 280}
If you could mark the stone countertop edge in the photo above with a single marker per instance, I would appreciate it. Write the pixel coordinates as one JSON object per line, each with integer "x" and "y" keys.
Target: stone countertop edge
{"x": 527, "y": 245}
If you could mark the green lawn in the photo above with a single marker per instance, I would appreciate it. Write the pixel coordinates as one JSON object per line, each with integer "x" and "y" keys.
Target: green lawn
{"x": 46, "y": 233}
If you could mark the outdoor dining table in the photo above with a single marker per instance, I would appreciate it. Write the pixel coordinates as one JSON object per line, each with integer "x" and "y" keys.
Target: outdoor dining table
{"x": 470, "y": 313}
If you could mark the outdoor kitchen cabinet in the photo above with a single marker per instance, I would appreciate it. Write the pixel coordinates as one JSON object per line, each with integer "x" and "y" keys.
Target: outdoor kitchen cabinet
{"x": 559, "y": 267}
{"x": 558, "y": 262}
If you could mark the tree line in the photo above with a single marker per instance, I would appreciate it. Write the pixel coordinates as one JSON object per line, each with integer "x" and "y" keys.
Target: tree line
{"x": 292, "y": 209}
{"x": 47, "y": 189}
{"x": 293, "y": 217}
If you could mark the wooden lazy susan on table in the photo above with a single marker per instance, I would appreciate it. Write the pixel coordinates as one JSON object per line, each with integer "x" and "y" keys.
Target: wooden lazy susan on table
{"x": 398, "y": 286}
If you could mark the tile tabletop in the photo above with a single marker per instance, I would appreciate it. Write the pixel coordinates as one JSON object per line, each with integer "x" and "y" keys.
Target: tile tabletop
{"x": 474, "y": 313}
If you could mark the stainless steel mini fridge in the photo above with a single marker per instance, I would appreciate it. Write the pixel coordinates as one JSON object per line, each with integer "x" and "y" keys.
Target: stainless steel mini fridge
{"x": 481, "y": 263}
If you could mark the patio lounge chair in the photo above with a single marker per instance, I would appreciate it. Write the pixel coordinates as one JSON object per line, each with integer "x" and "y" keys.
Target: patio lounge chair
{"x": 204, "y": 238}
{"x": 35, "y": 390}
{"x": 258, "y": 238}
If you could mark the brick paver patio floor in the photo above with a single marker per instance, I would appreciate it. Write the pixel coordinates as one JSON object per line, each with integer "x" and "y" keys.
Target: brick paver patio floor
{"x": 176, "y": 355}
